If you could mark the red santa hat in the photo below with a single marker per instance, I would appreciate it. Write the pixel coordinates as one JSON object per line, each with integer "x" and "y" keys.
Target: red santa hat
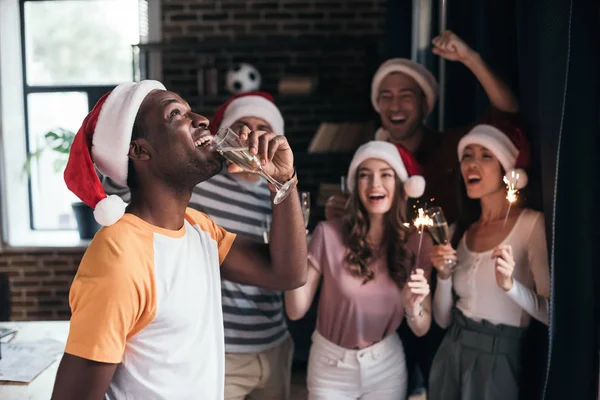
{"x": 249, "y": 104}
{"x": 419, "y": 73}
{"x": 508, "y": 143}
{"x": 401, "y": 160}
{"x": 103, "y": 140}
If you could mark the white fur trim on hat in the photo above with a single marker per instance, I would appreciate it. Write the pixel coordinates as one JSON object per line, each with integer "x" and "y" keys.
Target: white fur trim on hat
{"x": 254, "y": 106}
{"x": 109, "y": 210}
{"x": 419, "y": 73}
{"x": 413, "y": 186}
{"x": 498, "y": 143}
{"x": 112, "y": 136}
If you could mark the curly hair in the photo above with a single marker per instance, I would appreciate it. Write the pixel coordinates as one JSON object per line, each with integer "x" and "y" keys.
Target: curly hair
{"x": 361, "y": 254}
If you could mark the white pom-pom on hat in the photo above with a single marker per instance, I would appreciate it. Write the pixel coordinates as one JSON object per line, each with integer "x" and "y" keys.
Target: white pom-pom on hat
{"x": 414, "y": 186}
{"x": 109, "y": 210}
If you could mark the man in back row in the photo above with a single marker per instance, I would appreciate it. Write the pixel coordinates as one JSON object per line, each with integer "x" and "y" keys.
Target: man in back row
{"x": 146, "y": 301}
{"x": 258, "y": 346}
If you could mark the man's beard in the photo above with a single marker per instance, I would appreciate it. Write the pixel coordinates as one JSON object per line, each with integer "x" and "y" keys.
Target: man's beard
{"x": 206, "y": 169}
{"x": 195, "y": 173}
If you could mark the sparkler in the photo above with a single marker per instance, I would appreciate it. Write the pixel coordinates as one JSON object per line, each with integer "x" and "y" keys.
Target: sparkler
{"x": 511, "y": 191}
{"x": 420, "y": 223}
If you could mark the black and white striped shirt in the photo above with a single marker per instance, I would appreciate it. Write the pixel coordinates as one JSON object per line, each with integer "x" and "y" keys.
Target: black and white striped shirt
{"x": 253, "y": 317}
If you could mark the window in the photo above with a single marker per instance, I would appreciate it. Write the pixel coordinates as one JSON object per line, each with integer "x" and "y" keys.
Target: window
{"x": 57, "y": 58}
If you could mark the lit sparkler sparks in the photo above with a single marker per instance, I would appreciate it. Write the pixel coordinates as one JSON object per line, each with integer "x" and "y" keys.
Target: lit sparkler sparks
{"x": 423, "y": 220}
{"x": 511, "y": 191}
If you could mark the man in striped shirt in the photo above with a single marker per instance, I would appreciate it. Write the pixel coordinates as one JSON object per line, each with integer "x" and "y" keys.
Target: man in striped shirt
{"x": 258, "y": 346}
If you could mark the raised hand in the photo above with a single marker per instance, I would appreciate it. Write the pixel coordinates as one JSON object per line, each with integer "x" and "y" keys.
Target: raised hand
{"x": 451, "y": 47}
{"x": 273, "y": 151}
{"x": 415, "y": 291}
{"x": 443, "y": 258}
{"x": 504, "y": 265}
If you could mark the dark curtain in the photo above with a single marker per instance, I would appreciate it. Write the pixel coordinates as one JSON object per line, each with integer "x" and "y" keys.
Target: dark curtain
{"x": 558, "y": 58}
{"x": 548, "y": 50}
{"x": 398, "y": 25}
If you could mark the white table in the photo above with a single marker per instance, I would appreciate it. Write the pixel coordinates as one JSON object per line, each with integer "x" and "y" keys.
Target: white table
{"x": 41, "y": 387}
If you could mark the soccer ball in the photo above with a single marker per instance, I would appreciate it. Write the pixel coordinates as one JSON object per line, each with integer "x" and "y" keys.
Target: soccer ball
{"x": 243, "y": 78}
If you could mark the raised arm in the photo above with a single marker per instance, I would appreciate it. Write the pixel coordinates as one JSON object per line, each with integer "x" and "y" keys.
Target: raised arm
{"x": 280, "y": 265}
{"x": 453, "y": 48}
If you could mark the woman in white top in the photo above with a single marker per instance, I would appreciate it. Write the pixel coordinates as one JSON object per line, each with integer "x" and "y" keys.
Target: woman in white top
{"x": 501, "y": 278}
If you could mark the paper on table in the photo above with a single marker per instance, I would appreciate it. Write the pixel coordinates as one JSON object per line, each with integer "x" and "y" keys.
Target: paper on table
{"x": 7, "y": 334}
{"x": 23, "y": 362}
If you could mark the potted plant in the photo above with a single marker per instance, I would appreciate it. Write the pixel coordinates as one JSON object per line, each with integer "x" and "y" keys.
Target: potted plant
{"x": 59, "y": 141}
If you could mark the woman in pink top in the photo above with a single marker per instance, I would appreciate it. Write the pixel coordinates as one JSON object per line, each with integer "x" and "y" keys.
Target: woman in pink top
{"x": 501, "y": 279}
{"x": 370, "y": 281}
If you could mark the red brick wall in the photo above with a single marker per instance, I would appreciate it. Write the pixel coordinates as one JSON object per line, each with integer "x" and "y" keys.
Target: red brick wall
{"x": 40, "y": 283}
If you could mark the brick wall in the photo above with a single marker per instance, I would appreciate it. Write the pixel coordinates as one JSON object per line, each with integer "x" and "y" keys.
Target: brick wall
{"x": 339, "y": 44}
{"x": 39, "y": 283}
{"x": 203, "y": 19}
{"x": 40, "y": 280}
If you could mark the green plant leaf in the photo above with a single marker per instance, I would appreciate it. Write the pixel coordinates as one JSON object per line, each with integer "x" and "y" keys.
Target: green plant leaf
{"x": 58, "y": 140}
{"x": 59, "y": 164}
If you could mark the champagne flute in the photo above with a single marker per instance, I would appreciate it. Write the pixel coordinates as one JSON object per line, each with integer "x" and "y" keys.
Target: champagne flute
{"x": 439, "y": 229}
{"x": 230, "y": 146}
{"x": 305, "y": 203}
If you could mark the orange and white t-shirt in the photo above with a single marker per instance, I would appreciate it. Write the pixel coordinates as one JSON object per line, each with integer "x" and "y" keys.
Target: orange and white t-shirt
{"x": 149, "y": 299}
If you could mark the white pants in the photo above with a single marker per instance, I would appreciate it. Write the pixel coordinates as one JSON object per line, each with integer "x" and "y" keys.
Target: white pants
{"x": 377, "y": 372}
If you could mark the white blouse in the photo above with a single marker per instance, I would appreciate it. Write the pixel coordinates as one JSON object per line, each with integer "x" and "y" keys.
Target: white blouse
{"x": 474, "y": 280}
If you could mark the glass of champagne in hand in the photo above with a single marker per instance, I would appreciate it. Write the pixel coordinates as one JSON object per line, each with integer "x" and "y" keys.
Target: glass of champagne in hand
{"x": 230, "y": 146}
{"x": 439, "y": 229}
